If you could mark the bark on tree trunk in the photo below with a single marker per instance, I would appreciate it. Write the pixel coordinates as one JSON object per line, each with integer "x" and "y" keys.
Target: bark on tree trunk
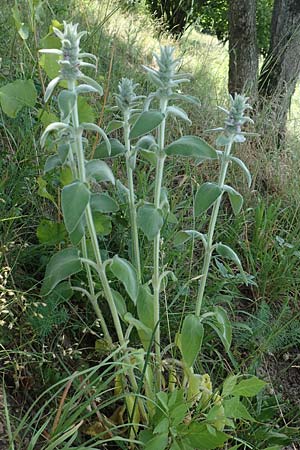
{"x": 243, "y": 52}
{"x": 281, "y": 68}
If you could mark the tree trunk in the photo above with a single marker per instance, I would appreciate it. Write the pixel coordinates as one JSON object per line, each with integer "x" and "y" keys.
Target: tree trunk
{"x": 243, "y": 52}
{"x": 281, "y": 68}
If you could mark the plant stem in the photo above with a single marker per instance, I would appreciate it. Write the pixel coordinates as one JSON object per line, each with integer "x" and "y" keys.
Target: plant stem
{"x": 94, "y": 240}
{"x": 156, "y": 246}
{"x": 131, "y": 201}
{"x": 211, "y": 229}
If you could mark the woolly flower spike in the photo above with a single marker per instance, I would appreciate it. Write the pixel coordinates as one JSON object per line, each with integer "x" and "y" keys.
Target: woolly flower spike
{"x": 71, "y": 60}
{"x": 127, "y": 98}
{"x": 165, "y": 77}
{"x": 236, "y": 116}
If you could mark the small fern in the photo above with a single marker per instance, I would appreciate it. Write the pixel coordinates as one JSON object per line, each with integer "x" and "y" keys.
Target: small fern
{"x": 51, "y": 313}
{"x": 268, "y": 331}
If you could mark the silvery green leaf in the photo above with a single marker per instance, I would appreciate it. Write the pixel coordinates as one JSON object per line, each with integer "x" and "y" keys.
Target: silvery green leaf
{"x": 74, "y": 200}
{"x": 186, "y": 98}
{"x": 149, "y": 156}
{"x": 132, "y": 160}
{"x": 146, "y": 122}
{"x": 99, "y": 171}
{"x": 66, "y": 102}
{"x": 92, "y": 83}
{"x": 87, "y": 55}
{"x": 178, "y": 112}
{"x": 191, "y": 146}
{"x": 150, "y": 220}
{"x": 50, "y": 88}
{"x": 86, "y": 64}
{"x": 85, "y": 88}
{"x": 94, "y": 127}
{"x": 53, "y": 51}
{"x": 114, "y": 125}
{"x": 51, "y": 163}
{"x": 56, "y": 126}
{"x": 205, "y": 197}
{"x": 226, "y": 252}
{"x": 236, "y": 200}
{"x": 117, "y": 148}
{"x": 185, "y": 235}
{"x": 126, "y": 273}
{"x": 191, "y": 339}
{"x": 146, "y": 142}
{"x": 102, "y": 202}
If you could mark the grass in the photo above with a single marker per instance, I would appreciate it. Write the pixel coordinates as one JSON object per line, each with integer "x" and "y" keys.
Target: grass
{"x": 266, "y": 233}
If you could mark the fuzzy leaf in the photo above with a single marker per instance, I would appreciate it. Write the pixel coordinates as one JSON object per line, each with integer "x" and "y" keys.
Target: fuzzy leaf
{"x": 145, "y": 306}
{"x": 102, "y": 202}
{"x": 178, "y": 112}
{"x": 227, "y": 252}
{"x": 244, "y": 168}
{"x": 51, "y": 233}
{"x": 205, "y": 197}
{"x": 146, "y": 122}
{"x": 236, "y": 200}
{"x": 99, "y": 171}
{"x": 66, "y": 102}
{"x": 191, "y": 339}
{"x": 126, "y": 273}
{"x": 150, "y": 220}
{"x": 74, "y": 199}
{"x": 191, "y": 146}
{"x": 116, "y": 149}
{"x": 51, "y": 163}
{"x": 61, "y": 266}
{"x": 102, "y": 223}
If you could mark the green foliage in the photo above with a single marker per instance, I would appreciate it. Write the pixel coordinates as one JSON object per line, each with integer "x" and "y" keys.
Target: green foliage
{"x": 15, "y": 96}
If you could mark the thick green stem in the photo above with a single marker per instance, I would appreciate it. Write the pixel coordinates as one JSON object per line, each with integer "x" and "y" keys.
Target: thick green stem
{"x": 211, "y": 230}
{"x": 156, "y": 246}
{"x": 131, "y": 200}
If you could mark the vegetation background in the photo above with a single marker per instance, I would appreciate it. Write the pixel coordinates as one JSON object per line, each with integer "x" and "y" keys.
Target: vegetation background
{"x": 40, "y": 345}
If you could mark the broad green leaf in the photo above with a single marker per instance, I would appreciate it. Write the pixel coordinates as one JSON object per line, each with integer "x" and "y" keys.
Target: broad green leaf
{"x": 42, "y": 190}
{"x": 85, "y": 111}
{"x": 200, "y": 437}
{"x": 228, "y": 385}
{"x": 99, "y": 171}
{"x": 74, "y": 200}
{"x": 15, "y": 96}
{"x": 222, "y": 326}
{"x": 186, "y": 98}
{"x": 146, "y": 122}
{"x": 66, "y": 102}
{"x": 61, "y": 266}
{"x": 48, "y": 61}
{"x": 63, "y": 152}
{"x": 77, "y": 234}
{"x": 146, "y": 142}
{"x": 235, "y": 409}
{"x": 103, "y": 203}
{"x": 185, "y": 235}
{"x": 150, "y": 220}
{"x": 46, "y": 117}
{"x": 149, "y": 156}
{"x": 119, "y": 302}
{"x": 191, "y": 339}
{"x": 114, "y": 125}
{"x": 245, "y": 169}
{"x": 137, "y": 323}
{"x": 223, "y": 140}
{"x": 162, "y": 426}
{"x": 66, "y": 175}
{"x": 191, "y": 146}
{"x": 116, "y": 149}
{"x": 249, "y": 387}
{"x": 227, "y": 252}
{"x": 159, "y": 442}
{"x": 205, "y": 197}
{"x": 51, "y": 163}
{"x": 102, "y": 223}
{"x": 178, "y": 112}
{"x": 236, "y": 200}
{"x": 126, "y": 273}
{"x": 145, "y": 306}
{"x": 51, "y": 233}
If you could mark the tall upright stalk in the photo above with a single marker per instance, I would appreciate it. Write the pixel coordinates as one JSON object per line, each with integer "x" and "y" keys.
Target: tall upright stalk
{"x": 131, "y": 198}
{"x": 211, "y": 229}
{"x": 156, "y": 245}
